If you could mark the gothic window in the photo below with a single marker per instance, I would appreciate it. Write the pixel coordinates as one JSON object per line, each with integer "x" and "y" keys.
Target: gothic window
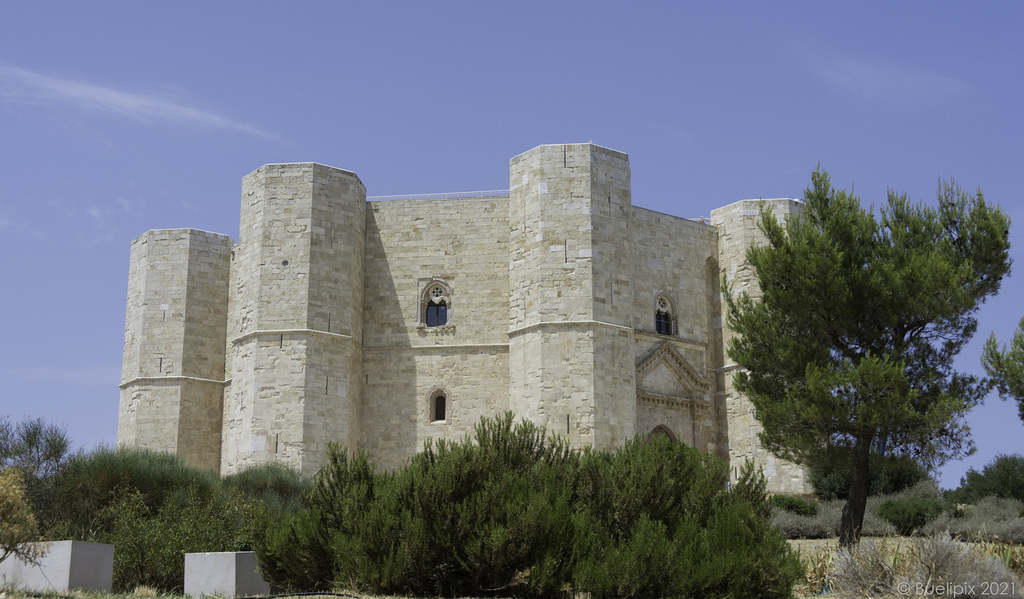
{"x": 663, "y": 318}
{"x": 663, "y": 431}
{"x": 436, "y": 305}
{"x": 438, "y": 407}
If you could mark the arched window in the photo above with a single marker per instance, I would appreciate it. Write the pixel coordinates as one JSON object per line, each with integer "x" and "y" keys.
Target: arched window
{"x": 663, "y": 318}
{"x": 436, "y": 305}
{"x": 438, "y": 406}
{"x": 662, "y": 431}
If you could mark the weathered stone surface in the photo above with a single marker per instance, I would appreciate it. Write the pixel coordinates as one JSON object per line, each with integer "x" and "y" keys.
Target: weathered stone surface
{"x": 312, "y": 329}
{"x": 67, "y": 565}
{"x": 223, "y": 574}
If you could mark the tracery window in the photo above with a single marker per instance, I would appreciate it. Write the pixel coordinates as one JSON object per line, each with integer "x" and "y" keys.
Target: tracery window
{"x": 436, "y": 305}
{"x": 663, "y": 318}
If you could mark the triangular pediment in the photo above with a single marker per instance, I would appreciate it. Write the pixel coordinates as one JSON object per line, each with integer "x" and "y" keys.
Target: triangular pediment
{"x": 665, "y": 371}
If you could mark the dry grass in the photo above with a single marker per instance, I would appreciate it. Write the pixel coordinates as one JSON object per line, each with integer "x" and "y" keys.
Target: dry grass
{"x": 819, "y": 557}
{"x": 896, "y": 559}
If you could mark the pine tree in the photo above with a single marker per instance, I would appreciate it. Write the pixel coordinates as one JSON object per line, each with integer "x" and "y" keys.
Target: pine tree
{"x": 851, "y": 344}
{"x": 1006, "y": 367}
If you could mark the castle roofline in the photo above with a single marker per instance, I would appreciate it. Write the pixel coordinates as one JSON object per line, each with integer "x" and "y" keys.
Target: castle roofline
{"x": 311, "y": 163}
{"x": 186, "y": 230}
{"x": 587, "y": 143}
{"x": 760, "y": 200}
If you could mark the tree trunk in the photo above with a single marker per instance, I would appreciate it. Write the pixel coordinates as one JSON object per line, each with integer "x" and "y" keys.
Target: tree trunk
{"x": 853, "y": 512}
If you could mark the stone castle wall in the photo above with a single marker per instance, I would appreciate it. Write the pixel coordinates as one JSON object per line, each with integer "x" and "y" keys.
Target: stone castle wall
{"x": 738, "y": 230}
{"x": 172, "y": 376}
{"x": 312, "y": 328}
{"x": 461, "y": 243}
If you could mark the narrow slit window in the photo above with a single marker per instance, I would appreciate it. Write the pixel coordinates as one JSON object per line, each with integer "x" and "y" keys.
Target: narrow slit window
{"x": 439, "y": 408}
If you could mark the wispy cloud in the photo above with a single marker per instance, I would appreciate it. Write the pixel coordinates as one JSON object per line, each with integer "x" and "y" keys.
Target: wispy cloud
{"x": 21, "y": 85}
{"x": 888, "y": 82}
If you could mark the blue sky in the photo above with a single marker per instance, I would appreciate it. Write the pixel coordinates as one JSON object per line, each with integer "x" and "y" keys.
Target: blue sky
{"x": 116, "y": 118}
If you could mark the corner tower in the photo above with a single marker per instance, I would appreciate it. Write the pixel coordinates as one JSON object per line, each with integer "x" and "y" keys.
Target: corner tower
{"x": 295, "y": 355}
{"x": 737, "y": 226}
{"x": 172, "y": 376}
{"x": 571, "y": 363}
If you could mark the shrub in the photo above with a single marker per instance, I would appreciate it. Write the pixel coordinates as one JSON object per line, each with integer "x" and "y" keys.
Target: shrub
{"x": 278, "y": 487}
{"x": 154, "y": 508}
{"x": 991, "y": 518}
{"x": 931, "y": 565}
{"x": 90, "y": 482}
{"x": 888, "y": 474}
{"x": 1002, "y": 477}
{"x": 38, "y": 451}
{"x": 910, "y": 514}
{"x": 17, "y": 524}
{"x": 826, "y": 522}
{"x": 516, "y": 513}
{"x": 794, "y": 505}
{"x": 151, "y": 543}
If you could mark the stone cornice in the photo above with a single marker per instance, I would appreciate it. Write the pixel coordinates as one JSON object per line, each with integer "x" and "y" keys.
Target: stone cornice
{"x": 563, "y": 323}
{"x": 696, "y": 406}
{"x": 252, "y": 334}
{"x": 441, "y": 346}
{"x": 169, "y": 379}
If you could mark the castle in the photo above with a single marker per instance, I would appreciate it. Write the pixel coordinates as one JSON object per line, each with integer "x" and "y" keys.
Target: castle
{"x": 378, "y": 325}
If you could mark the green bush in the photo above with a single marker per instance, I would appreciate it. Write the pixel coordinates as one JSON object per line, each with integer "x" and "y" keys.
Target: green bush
{"x": 794, "y": 505}
{"x": 151, "y": 543}
{"x": 278, "y": 487}
{"x": 910, "y": 514}
{"x": 888, "y": 475}
{"x": 513, "y": 512}
{"x": 154, "y": 508}
{"x": 991, "y": 518}
{"x": 90, "y": 482}
{"x": 1002, "y": 477}
{"x": 825, "y": 523}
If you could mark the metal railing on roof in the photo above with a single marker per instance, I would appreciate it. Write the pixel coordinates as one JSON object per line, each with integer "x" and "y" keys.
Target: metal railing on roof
{"x": 438, "y": 196}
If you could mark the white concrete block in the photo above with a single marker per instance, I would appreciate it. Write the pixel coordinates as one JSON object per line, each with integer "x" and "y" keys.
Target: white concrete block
{"x": 224, "y": 574}
{"x": 67, "y": 565}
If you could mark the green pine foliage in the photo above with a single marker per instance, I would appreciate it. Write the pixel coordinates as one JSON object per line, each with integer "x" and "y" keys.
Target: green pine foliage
{"x": 1006, "y": 366}
{"x": 852, "y": 339}
{"x": 887, "y": 475}
{"x": 512, "y": 512}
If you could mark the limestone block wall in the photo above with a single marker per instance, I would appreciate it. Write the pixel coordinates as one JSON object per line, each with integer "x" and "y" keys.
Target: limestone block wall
{"x": 175, "y": 329}
{"x": 670, "y": 260}
{"x": 462, "y": 244}
{"x": 297, "y": 307}
{"x": 614, "y": 290}
{"x": 737, "y": 231}
{"x": 311, "y": 329}
{"x": 568, "y": 205}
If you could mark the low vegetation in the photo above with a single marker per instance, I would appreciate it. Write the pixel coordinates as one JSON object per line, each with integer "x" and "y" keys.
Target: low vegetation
{"x": 509, "y": 512}
{"x": 513, "y": 513}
